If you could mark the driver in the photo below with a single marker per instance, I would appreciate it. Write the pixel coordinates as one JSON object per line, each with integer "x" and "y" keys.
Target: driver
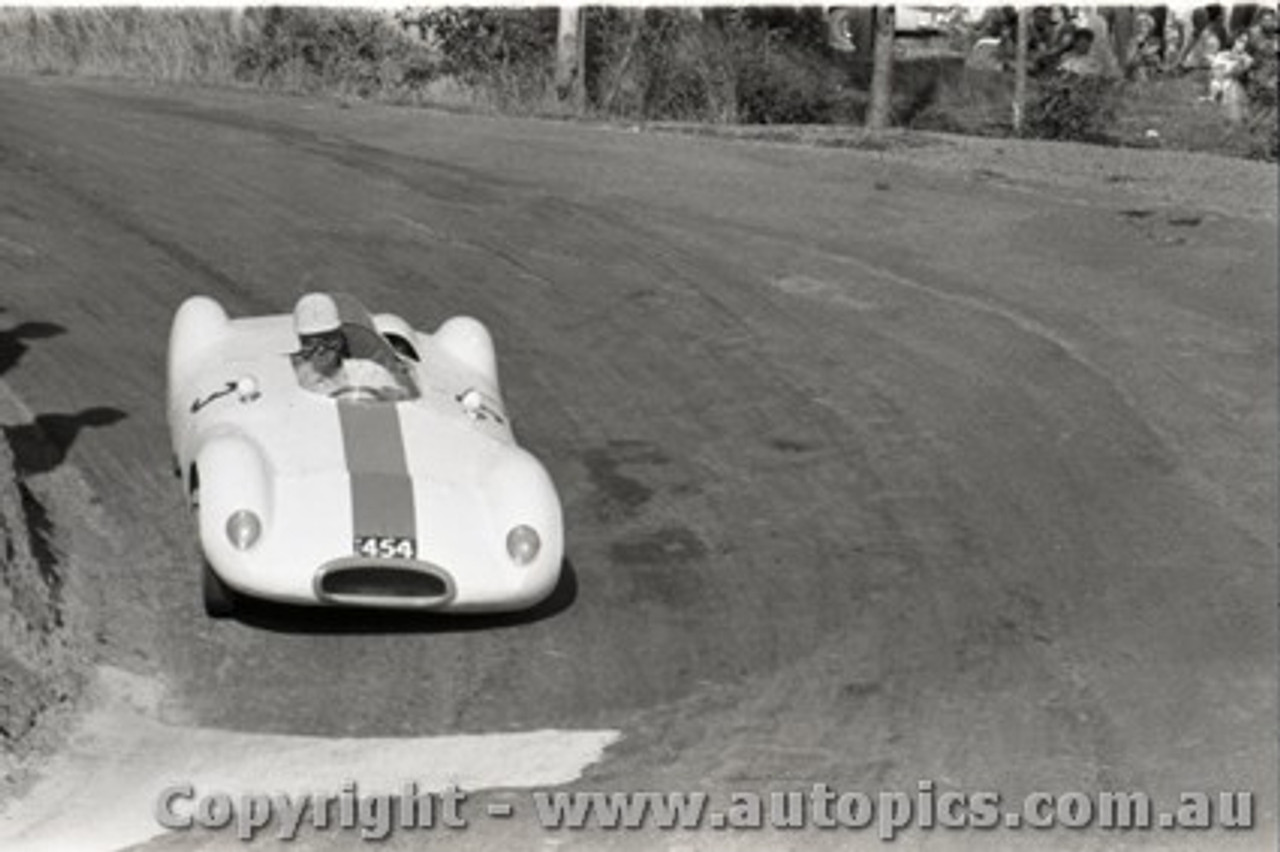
{"x": 323, "y": 364}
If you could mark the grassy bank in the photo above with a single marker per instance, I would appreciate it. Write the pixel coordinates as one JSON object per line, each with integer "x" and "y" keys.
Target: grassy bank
{"x": 37, "y": 668}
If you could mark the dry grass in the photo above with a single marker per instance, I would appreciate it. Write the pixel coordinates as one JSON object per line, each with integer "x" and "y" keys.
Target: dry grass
{"x": 170, "y": 45}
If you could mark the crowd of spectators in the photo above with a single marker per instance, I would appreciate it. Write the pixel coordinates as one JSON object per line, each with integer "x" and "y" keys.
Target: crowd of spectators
{"x": 1234, "y": 53}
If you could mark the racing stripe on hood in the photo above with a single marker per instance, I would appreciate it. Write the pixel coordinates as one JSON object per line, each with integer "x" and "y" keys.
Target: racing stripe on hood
{"x": 381, "y": 487}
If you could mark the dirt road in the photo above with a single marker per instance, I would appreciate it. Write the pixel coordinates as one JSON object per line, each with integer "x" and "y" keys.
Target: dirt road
{"x": 876, "y": 468}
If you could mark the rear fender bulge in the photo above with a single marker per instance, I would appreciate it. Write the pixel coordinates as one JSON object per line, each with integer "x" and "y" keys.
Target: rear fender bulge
{"x": 199, "y": 326}
{"x": 468, "y": 342}
{"x": 198, "y": 329}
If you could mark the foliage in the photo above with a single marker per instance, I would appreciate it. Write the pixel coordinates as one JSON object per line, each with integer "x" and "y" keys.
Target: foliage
{"x": 478, "y": 43}
{"x": 507, "y": 52}
{"x": 787, "y": 85}
{"x": 1263, "y": 89}
{"x": 661, "y": 69}
{"x": 967, "y": 101}
{"x": 757, "y": 65}
{"x": 1073, "y": 107}
{"x": 358, "y": 51}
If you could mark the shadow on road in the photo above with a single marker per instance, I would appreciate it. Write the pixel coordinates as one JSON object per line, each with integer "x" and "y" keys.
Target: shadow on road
{"x": 12, "y": 341}
{"x": 42, "y": 445}
{"x": 282, "y": 618}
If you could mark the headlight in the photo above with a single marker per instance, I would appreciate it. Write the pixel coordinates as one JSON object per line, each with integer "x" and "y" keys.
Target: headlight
{"x": 523, "y": 544}
{"x": 243, "y": 529}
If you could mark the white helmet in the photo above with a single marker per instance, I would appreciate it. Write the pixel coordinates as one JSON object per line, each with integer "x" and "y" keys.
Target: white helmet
{"x": 316, "y": 313}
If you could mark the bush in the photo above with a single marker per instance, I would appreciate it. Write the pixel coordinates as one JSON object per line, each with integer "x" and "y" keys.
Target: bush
{"x": 784, "y": 70}
{"x": 1072, "y": 107}
{"x": 962, "y": 100}
{"x": 673, "y": 76}
{"x": 1264, "y": 134}
{"x": 361, "y": 52}
{"x": 506, "y": 53}
{"x": 757, "y": 66}
{"x": 787, "y": 86}
{"x": 656, "y": 64}
{"x": 1263, "y": 90}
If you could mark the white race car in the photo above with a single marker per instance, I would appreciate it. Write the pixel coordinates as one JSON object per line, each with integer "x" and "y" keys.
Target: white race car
{"x": 406, "y": 490}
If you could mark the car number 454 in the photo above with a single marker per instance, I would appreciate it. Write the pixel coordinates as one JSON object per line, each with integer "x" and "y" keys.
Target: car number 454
{"x": 385, "y": 547}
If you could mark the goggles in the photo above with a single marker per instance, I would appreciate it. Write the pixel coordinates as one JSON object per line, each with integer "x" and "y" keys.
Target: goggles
{"x": 313, "y": 344}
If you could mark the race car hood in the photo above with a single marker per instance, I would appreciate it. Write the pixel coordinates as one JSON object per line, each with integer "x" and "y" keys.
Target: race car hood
{"x": 421, "y": 475}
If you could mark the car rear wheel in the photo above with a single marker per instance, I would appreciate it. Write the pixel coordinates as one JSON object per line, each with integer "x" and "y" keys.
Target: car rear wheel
{"x": 219, "y": 599}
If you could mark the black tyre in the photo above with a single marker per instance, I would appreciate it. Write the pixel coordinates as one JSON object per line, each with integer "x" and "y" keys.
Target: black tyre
{"x": 219, "y": 599}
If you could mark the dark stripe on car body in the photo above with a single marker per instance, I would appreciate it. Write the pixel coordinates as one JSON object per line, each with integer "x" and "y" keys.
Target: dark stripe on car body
{"x": 381, "y": 488}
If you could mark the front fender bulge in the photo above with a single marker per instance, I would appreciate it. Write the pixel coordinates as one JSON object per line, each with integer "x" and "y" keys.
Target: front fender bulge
{"x": 519, "y": 491}
{"x": 233, "y": 478}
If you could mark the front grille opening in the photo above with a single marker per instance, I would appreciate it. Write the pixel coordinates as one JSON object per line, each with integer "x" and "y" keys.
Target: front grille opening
{"x": 382, "y": 582}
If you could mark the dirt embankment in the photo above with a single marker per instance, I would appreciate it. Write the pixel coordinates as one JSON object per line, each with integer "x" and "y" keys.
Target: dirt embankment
{"x": 37, "y": 673}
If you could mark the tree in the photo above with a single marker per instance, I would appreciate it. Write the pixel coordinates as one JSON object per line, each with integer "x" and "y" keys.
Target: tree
{"x": 882, "y": 69}
{"x": 570, "y": 58}
{"x": 1020, "y": 71}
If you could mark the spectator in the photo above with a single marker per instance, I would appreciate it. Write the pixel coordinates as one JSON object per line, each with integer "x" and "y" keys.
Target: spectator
{"x": 994, "y": 51}
{"x": 1214, "y": 19}
{"x": 1142, "y": 54}
{"x": 1055, "y": 40}
{"x": 1081, "y": 61}
{"x": 1208, "y": 40}
{"x": 1202, "y": 51}
{"x": 1173, "y": 44}
{"x": 1261, "y": 81}
{"x": 1262, "y": 34}
{"x": 1104, "y": 57}
{"x": 1227, "y": 69}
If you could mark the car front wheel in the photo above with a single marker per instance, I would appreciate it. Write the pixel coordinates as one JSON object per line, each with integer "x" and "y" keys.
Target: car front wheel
{"x": 219, "y": 599}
